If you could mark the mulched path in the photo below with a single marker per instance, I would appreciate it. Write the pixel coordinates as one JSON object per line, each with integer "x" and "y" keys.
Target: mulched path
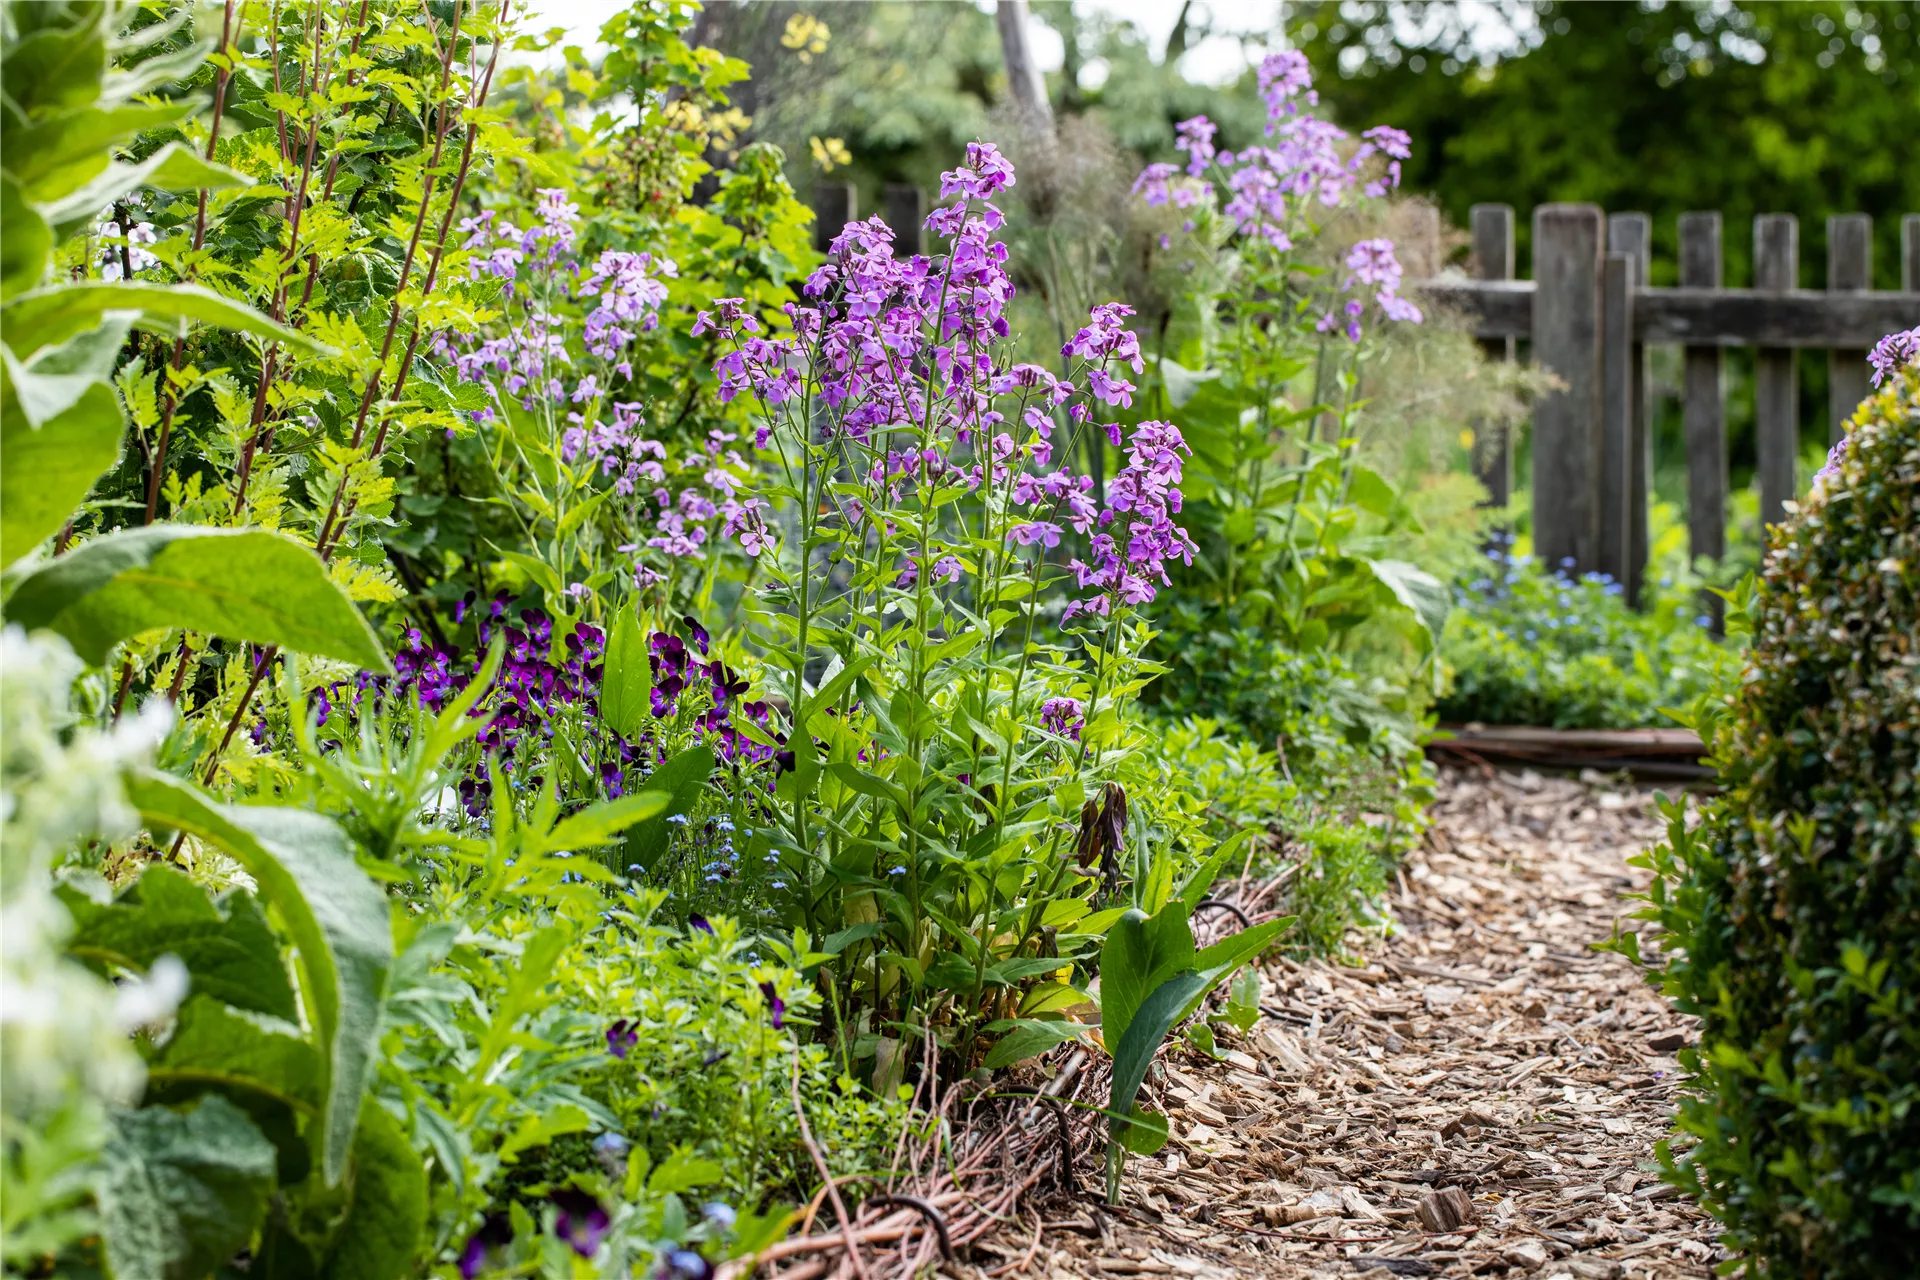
{"x": 1482, "y": 1097}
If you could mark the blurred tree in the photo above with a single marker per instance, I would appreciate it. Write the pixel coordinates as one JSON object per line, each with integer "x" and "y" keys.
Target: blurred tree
{"x": 1752, "y": 106}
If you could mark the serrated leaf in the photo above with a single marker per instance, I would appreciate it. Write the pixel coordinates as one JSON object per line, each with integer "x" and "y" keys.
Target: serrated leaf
{"x": 242, "y": 584}
{"x": 337, "y": 915}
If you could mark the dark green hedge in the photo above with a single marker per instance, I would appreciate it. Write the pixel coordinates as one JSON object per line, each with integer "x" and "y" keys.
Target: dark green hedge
{"x": 1792, "y": 912}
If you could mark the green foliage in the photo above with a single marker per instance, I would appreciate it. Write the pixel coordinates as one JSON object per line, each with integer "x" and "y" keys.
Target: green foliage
{"x": 1787, "y": 914}
{"x": 1532, "y": 647}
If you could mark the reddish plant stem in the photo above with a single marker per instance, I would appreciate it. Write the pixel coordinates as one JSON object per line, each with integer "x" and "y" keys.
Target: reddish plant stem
{"x": 169, "y": 399}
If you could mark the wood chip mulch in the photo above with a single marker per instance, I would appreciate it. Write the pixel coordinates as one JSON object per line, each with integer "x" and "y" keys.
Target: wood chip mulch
{"x": 1481, "y": 1098}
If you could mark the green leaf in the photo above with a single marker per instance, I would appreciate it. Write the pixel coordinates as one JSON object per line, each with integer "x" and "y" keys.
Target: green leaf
{"x": 1422, "y": 593}
{"x": 824, "y": 696}
{"x": 26, "y": 246}
{"x": 217, "y": 1047}
{"x": 1143, "y": 1038}
{"x": 539, "y": 571}
{"x": 1139, "y": 954}
{"x": 681, "y": 777}
{"x": 1194, "y": 891}
{"x": 174, "y": 167}
{"x": 1146, "y": 1133}
{"x": 231, "y": 955}
{"x": 180, "y": 1192}
{"x": 56, "y": 153}
{"x": 387, "y": 1210}
{"x": 1217, "y": 962}
{"x": 1182, "y": 382}
{"x": 683, "y": 1171}
{"x": 626, "y": 685}
{"x": 51, "y": 314}
{"x": 1371, "y": 493}
{"x": 46, "y": 473}
{"x": 1029, "y": 1037}
{"x": 540, "y": 1130}
{"x": 338, "y": 918}
{"x": 868, "y": 784}
{"x": 597, "y": 824}
{"x": 243, "y": 584}
{"x": 54, "y": 380}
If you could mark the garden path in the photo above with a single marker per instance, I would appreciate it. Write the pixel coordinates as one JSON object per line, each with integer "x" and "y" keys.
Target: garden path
{"x": 1482, "y": 1097}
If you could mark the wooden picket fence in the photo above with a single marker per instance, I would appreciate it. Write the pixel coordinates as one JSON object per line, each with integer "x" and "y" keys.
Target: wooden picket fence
{"x": 1590, "y": 316}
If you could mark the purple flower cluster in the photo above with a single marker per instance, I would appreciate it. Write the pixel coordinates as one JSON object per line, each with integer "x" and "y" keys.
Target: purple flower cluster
{"x": 1063, "y": 716}
{"x": 1137, "y": 533}
{"x": 897, "y": 358}
{"x": 1893, "y": 351}
{"x": 1269, "y": 187}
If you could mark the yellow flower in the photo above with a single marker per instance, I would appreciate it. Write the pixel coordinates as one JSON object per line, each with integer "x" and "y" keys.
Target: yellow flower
{"x": 829, "y": 153}
{"x": 806, "y": 35}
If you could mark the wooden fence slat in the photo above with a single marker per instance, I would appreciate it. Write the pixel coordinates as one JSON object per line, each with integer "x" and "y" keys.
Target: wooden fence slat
{"x": 1567, "y": 251}
{"x": 905, "y": 208}
{"x": 1776, "y": 389}
{"x": 1493, "y": 260}
{"x": 1616, "y": 417}
{"x": 1702, "y": 409}
{"x": 1849, "y": 270}
{"x": 1700, "y": 317}
{"x": 835, "y": 204}
{"x": 1632, "y": 234}
{"x": 1910, "y": 253}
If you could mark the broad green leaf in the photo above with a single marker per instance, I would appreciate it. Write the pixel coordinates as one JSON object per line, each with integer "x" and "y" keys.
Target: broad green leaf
{"x": 681, "y": 777}
{"x": 1140, "y": 953}
{"x": 59, "y": 65}
{"x": 1371, "y": 493}
{"x": 1422, "y": 593}
{"x": 1029, "y": 1037}
{"x": 218, "y": 1047}
{"x": 174, "y": 167}
{"x": 539, "y": 1130}
{"x": 387, "y": 1210}
{"x": 683, "y": 1171}
{"x": 597, "y": 824}
{"x": 626, "y": 686}
{"x": 1143, "y": 1038}
{"x": 51, "y": 156}
{"x": 227, "y": 948}
{"x": 46, "y": 473}
{"x": 1217, "y": 962}
{"x": 51, "y": 314}
{"x": 53, "y": 381}
{"x": 337, "y": 915}
{"x": 242, "y": 584}
{"x": 1145, "y": 1133}
{"x": 868, "y": 784}
{"x": 539, "y": 571}
{"x": 1182, "y": 382}
{"x": 25, "y": 247}
{"x": 824, "y": 696}
{"x": 180, "y": 1192}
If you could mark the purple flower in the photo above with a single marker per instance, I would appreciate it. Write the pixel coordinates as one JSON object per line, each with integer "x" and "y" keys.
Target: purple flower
{"x": 622, "y": 1036}
{"x": 495, "y": 1232}
{"x": 700, "y": 922}
{"x": 581, "y": 1221}
{"x": 684, "y": 1264}
{"x": 1893, "y": 351}
{"x": 1063, "y": 716}
{"x": 776, "y": 1007}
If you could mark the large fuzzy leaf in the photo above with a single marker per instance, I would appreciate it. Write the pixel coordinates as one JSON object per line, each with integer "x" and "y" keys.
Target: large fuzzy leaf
{"x": 47, "y": 471}
{"x": 387, "y": 1210}
{"x": 336, "y": 914}
{"x": 230, "y": 954}
{"x": 181, "y": 1191}
{"x": 218, "y": 1047}
{"x": 243, "y": 584}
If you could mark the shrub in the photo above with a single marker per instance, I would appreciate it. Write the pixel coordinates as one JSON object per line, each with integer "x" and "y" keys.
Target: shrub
{"x": 1790, "y": 912}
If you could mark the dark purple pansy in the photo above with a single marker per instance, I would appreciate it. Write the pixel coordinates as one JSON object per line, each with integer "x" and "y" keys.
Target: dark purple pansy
{"x": 495, "y": 1232}
{"x": 581, "y": 1222}
{"x": 698, "y": 921}
{"x": 698, "y": 632}
{"x": 622, "y": 1036}
{"x": 776, "y": 1007}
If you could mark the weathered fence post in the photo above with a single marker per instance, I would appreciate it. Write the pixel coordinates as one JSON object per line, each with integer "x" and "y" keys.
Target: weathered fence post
{"x": 835, "y": 204}
{"x": 1910, "y": 253}
{"x": 1632, "y": 234}
{"x": 1567, "y": 251}
{"x": 1616, "y": 414}
{"x": 1776, "y": 400}
{"x": 1702, "y": 411}
{"x": 1849, "y": 270}
{"x": 906, "y": 211}
{"x": 1493, "y": 441}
